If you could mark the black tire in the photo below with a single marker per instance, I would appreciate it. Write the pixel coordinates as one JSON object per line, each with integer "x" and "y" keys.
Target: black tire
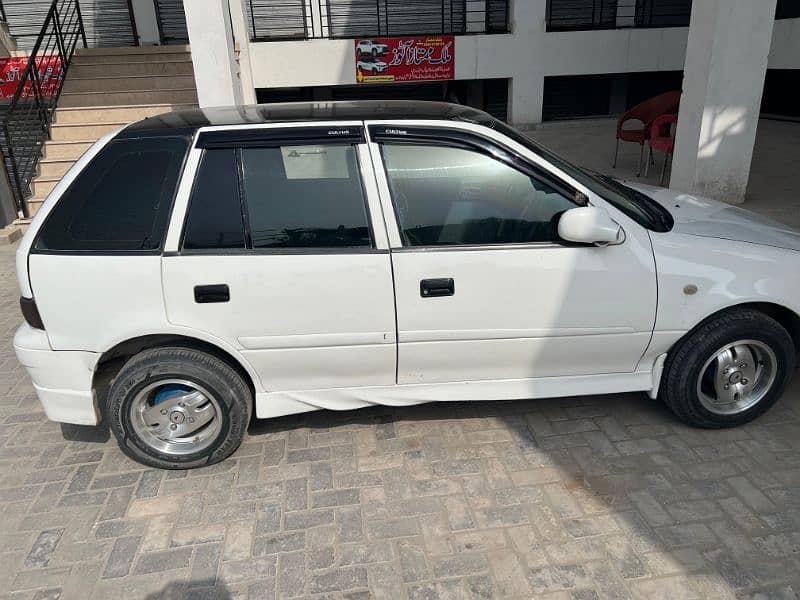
{"x": 232, "y": 394}
{"x": 685, "y": 361}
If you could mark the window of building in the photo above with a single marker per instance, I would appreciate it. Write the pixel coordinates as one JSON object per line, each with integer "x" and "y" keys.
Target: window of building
{"x": 452, "y": 196}
{"x": 120, "y": 202}
{"x": 305, "y": 197}
{"x": 215, "y": 214}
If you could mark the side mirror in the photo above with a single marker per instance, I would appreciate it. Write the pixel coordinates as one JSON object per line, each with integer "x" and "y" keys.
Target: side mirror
{"x": 589, "y": 225}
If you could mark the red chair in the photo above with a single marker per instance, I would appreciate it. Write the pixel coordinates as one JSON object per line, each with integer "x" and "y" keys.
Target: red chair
{"x": 645, "y": 113}
{"x": 662, "y": 138}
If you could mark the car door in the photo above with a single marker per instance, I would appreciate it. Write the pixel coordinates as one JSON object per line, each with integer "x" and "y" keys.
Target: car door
{"x": 280, "y": 257}
{"x": 484, "y": 288}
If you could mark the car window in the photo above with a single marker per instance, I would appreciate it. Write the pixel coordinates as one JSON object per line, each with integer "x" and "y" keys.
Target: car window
{"x": 450, "y": 196}
{"x": 120, "y": 201}
{"x": 215, "y": 212}
{"x": 305, "y": 197}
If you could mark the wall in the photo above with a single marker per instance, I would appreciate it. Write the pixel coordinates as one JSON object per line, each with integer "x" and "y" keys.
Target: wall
{"x": 527, "y": 55}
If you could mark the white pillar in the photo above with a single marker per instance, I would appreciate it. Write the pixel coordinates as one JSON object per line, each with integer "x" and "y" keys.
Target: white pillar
{"x": 144, "y": 12}
{"x": 526, "y": 90}
{"x": 526, "y": 96}
{"x": 726, "y": 61}
{"x": 241, "y": 35}
{"x": 216, "y": 71}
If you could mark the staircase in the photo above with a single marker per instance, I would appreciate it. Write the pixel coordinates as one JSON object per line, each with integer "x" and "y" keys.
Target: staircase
{"x": 105, "y": 89}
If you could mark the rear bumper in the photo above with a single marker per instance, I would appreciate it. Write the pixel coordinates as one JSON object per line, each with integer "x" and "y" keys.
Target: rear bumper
{"x": 62, "y": 378}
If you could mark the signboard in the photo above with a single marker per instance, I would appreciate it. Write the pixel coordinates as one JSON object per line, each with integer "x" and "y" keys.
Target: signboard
{"x": 386, "y": 60}
{"x": 12, "y": 68}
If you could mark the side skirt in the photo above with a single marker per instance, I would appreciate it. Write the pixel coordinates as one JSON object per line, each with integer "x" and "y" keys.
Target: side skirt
{"x": 276, "y": 404}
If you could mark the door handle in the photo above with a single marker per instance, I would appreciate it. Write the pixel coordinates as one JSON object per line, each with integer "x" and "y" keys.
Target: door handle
{"x": 433, "y": 288}
{"x": 205, "y": 294}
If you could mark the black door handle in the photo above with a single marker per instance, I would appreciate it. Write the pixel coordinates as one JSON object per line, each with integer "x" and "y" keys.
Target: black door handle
{"x": 205, "y": 294}
{"x": 433, "y": 288}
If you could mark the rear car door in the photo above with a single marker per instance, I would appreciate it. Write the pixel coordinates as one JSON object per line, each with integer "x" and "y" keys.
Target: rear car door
{"x": 484, "y": 288}
{"x": 280, "y": 256}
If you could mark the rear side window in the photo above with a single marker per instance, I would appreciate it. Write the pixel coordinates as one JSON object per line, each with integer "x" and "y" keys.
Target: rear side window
{"x": 304, "y": 197}
{"x": 120, "y": 201}
{"x": 215, "y": 212}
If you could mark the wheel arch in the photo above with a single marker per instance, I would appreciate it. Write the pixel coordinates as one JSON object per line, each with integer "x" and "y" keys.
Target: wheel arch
{"x": 786, "y": 317}
{"x": 113, "y": 359}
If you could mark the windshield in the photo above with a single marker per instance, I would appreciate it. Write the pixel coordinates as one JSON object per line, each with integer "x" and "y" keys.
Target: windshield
{"x": 636, "y": 205}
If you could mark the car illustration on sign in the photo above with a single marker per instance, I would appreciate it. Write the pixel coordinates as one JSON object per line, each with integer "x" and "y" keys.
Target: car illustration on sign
{"x": 371, "y": 47}
{"x": 370, "y": 64}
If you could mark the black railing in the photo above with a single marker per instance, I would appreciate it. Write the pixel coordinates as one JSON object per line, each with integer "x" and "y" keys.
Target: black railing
{"x": 107, "y": 22}
{"x": 574, "y": 15}
{"x": 362, "y": 18}
{"x": 270, "y": 20}
{"x": 26, "y": 122}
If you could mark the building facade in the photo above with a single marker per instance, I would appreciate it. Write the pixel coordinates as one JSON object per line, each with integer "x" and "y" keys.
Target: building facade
{"x": 525, "y": 61}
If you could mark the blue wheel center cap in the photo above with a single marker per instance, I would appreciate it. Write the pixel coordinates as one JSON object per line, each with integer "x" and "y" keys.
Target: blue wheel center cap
{"x": 170, "y": 391}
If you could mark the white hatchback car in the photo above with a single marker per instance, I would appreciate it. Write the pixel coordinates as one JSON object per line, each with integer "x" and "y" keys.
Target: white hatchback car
{"x": 198, "y": 266}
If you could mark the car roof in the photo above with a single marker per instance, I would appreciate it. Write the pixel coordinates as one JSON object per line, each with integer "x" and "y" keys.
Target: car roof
{"x": 186, "y": 122}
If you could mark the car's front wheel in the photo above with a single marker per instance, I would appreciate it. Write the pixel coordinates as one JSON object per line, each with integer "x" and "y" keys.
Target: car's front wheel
{"x": 178, "y": 408}
{"x": 729, "y": 370}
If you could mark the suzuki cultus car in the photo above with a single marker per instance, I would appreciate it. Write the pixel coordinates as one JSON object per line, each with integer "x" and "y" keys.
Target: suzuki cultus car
{"x": 199, "y": 267}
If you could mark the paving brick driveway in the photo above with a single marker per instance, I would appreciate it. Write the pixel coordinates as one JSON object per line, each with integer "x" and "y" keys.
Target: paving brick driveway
{"x": 575, "y": 497}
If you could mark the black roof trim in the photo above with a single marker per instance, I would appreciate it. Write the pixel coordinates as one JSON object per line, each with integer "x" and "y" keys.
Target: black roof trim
{"x": 186, "y": 122}
{"x": 278, "y": 136}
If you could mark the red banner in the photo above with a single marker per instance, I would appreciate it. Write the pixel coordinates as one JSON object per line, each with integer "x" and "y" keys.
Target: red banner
{"x": 427, "y": 58}
{"x": 12, "y": 69}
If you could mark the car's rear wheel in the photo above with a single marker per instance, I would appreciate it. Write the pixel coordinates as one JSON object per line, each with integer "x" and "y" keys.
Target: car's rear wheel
{"x": 178, "y": 408}
{"x": 729, "y": 370}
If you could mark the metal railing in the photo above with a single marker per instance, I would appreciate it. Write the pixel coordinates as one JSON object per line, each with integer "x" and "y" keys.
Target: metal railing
{"x": 272, "y": 20}
{"x": 576, "y": 15}
{"x": 25, "y": 125}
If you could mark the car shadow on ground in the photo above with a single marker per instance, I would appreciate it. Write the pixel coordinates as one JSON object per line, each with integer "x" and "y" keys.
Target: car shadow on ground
{"x": 604, "y": 494}
{"x": 610, "y": 494}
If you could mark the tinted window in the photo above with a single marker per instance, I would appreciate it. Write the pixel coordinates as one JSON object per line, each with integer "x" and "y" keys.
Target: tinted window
{"x": 446, "y": 196}
{"x": 304, "y": 197}
{"x": 121, "y": 200}
{"x": 215, "y": 211}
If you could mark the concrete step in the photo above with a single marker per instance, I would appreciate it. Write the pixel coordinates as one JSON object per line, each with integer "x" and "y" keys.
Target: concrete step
{"x": 75, "y": 85}
{"x": 41, "y": 186}
{"x": 10, "y": 234}
{"x": 128, "y": 97}
{"x": 55, "y": 167}
{"x": 34, "y": 204}
{"x": 91, "y": 56}
{"x": 81, "y": 115}
{"x": 66, "y": 150}
{"x": 130, "y": 68}
{"x": 83, "y": 131}
{"x": 133, "y": 50}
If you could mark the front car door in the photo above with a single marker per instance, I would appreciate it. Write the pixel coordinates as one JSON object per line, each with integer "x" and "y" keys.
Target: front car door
{"x": 484, "y": 289}
{"x": 280, "y": 256}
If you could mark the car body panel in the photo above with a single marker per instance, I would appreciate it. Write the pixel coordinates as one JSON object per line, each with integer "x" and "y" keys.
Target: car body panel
{"x": 704, "y": 217}
{"x": 302, "y": 321}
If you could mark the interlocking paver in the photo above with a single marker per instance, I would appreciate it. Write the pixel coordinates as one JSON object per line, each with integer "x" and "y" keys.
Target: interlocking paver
{"x": 572, "y": 497}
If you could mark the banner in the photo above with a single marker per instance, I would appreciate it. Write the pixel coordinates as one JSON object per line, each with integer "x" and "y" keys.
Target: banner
{"x": 12, "y": 68}
{"x": 385, "y": 60}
